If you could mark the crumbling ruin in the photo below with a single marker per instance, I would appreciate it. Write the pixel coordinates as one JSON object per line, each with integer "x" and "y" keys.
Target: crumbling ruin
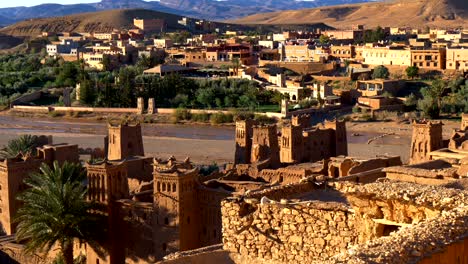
{"x": 298, "y": 142}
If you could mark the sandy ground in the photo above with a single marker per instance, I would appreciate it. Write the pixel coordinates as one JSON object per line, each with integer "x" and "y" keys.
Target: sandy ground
{"x": 205, "y": 144}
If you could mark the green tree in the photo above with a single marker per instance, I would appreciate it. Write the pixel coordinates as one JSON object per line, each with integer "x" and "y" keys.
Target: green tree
{"x": 380, "y": 72}
{"x": 323, "y": 39}
{"x": 87, "y": 93}
{"x": 412, "y": 71}
{"x": 23, "y": 144}
{"x": 145, "y": 62}
{"x": 236, "y": 65}
{"x": 55, "y": 211}
{"x": 432, "y": 98}
{"x": 106, "y": 63}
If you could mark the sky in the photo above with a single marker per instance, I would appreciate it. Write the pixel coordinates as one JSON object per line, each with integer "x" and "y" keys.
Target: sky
{"x": 6, "y": 3}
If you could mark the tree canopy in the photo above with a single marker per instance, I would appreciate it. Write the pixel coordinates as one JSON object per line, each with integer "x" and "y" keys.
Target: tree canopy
{"x": 55, "y": 211}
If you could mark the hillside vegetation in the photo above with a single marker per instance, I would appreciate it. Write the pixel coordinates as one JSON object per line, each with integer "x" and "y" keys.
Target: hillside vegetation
{"x": 417, "y": 13}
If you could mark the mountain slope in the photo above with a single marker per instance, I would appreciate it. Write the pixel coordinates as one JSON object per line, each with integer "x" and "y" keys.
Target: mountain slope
{"x": 208, "y": 9}
{"x": 418, "y": 13}
{"x": 87, "y": 22}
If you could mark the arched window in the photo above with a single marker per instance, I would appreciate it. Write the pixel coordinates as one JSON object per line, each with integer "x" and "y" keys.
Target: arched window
{"x": 174, "y": 187}
{"x": 158, "y": 186}
{"x": 164, "y": 187}
{"x": 166, "y": 221}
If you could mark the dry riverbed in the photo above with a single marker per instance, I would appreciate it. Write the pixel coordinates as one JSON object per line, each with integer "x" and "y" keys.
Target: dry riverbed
{"x": 204, "y": 144}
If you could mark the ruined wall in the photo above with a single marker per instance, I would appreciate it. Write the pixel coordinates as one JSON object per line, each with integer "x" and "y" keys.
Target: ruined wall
{"x": 288, "y": 233}
{"x": 210, "y": 230}
{"x": 244, "y": 133}
{"x": 265, "y": 145}
{"x": 318, "y": 144}
{"x": 453, "y": 253}
{"x": 291, "y": 144}
{"x": 440, "y": 239}
{"x": 135, "y": 225}
{"x": 427, "y": 137}
{"x": 12, "y": 174}
{"x": 340, "y": 137}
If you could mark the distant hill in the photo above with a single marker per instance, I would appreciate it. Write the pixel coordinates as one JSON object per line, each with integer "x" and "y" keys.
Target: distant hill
{"x": 417, "y": 13}
{"x": 207, "y": 9}
{"x": 103, "y": 21}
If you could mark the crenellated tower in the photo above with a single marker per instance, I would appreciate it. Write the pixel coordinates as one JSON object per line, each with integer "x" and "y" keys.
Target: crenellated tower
{"x": 291, "y": 144}
{"x": 176, "y": 209}
{"x": 124, "y": 141}
{"x": 340, "y": 143}
{"x": 244, "y": 131}
{"x": 265, "y": 145}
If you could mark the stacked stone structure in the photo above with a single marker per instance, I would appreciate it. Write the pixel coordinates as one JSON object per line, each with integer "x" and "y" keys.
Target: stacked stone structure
{"x": 299, "y": 223}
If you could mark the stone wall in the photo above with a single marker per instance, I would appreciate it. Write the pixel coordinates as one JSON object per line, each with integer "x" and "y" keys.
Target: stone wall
{"x": 290, "y": 233}
{"x": 440, "y": 240}
{"x": 311, "y": 227}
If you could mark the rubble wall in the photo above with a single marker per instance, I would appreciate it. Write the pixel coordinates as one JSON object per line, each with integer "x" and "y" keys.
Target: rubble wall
{"x": 289, "y": 233}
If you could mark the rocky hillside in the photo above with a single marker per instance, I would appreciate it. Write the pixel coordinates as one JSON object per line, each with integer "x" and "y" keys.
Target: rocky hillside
{"x": 208, "y": 9}
{"x": 87, "y": 22}
{"x": 417, "y": 13}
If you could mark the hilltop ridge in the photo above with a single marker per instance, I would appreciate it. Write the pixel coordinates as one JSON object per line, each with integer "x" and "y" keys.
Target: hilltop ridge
{"x": 419, "y": 13}
{"x": 103, "y": 21}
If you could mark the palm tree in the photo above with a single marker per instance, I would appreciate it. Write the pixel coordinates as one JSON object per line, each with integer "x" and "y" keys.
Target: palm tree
{"x": 23, "y": 144}
{"x": 236, "y": 65}
{"x": 56, "y": 213}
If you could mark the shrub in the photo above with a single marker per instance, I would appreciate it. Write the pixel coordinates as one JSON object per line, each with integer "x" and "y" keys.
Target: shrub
{"x": 367, "y": 118}
{"x": 220, "y": 118}
{"x": 356, "y": 109}
{"x": 148, "y": 119}
{"x": 181, "y": 114}
{"x": 207, "y": 170}
{"x": 380, "y": 72}
{"x": 201, "y": 117}
{"x": 386, "y": 115}
{"x": 54, "y": 114}
{"x": 264, "y": 119}
{"x": 242, "y": 114}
